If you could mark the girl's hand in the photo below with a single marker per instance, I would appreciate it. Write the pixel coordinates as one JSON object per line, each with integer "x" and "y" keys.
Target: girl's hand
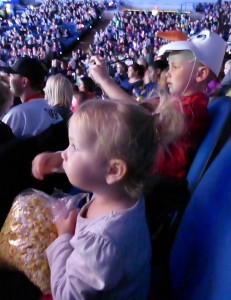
{"x": 67, "y": 225}
{"x": 46, "y": 163}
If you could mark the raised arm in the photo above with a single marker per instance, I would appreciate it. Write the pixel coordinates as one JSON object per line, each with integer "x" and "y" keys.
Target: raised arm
{"x": 98, "y": 71}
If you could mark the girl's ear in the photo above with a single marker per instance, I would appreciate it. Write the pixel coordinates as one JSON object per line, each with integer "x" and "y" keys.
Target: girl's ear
{"x": 116, "y": 171}
{"x": 202, "y": 73}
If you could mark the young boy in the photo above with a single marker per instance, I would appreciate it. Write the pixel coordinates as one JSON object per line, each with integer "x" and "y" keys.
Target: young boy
{"x": 192, "y": 63}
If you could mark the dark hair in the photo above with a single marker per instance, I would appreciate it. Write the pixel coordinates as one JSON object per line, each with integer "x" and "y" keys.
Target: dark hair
{"x": 79, "y": 69}
{"x": 75, "y": 88}
{"x": 159, "y": 64}
{"x": 123, "y": 65}
{"x": 82, "y": 96}
{"x": 139, "y": 69}
{"x": 89, "y": 84}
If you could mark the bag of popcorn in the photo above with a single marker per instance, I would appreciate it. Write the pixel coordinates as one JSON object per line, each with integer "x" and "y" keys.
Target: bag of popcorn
{"x": 29, "y": 230}
{"x": 26, "y": 233}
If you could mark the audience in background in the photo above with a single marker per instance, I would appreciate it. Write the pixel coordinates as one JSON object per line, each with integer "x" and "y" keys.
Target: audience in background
{"x": 77, "y": 99}
{"x": 224, "y": 86}
{"x": 129, "y": 46}
{"x": 121, "y": 72}
{"x": 87, "y": 85}
{"x": 48, "y": 30}
{"x": 33, "y": 115}
{"x": 58, "y": 93}
{"x": 135, "y": 78}
{"x": 6, "y": 101}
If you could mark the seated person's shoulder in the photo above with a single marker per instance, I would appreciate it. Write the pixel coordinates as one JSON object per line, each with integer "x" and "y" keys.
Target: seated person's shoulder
{"x": 6, "y": 133}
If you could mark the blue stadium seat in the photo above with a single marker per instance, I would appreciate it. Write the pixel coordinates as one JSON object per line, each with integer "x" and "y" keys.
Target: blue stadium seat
{"x": 200, "y": 259}
{"x": 219, "y": 130}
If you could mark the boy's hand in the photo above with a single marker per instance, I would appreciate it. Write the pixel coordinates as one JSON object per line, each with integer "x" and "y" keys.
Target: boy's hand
{"x": 67, "y": 225}
{"x": 98, "y": 70}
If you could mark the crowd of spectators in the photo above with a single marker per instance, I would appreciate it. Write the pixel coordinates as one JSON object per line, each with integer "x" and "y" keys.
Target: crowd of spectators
{"x": 134, "y": 32}
{"x": 129, "y": 45}
{"x": 132, "y": 35}
{"x": 46, "y": 31}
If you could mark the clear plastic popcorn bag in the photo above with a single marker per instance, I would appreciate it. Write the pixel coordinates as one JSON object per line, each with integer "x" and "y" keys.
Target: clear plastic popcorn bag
{"x": 66, "y": 203}
{"x": 29, "y": 229}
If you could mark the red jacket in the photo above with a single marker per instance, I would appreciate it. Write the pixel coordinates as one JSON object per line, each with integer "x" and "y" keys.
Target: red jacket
{"x": 176, "y": 160}
{"x": 46, "y": 297}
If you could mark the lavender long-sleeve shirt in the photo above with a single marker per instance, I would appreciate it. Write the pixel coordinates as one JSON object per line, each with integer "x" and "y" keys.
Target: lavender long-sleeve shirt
{"x": 108, "y": 257}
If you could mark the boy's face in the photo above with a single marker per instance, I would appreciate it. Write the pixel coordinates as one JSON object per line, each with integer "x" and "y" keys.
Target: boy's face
{"x": 181, "y": 74}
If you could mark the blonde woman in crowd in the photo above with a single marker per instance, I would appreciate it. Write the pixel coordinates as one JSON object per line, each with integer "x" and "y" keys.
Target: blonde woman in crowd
{"x": 59, "y": 93}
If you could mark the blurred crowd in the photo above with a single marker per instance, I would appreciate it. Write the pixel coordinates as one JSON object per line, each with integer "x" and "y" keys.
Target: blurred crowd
{"x": 130, "y": 45}
{"x": 46, "y": 31}
{"x": 41, "y": 88}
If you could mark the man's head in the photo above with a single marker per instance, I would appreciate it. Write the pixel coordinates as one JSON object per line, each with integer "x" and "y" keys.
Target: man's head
{"x": 26, "y": 72}
{"x": 192, "y": 62}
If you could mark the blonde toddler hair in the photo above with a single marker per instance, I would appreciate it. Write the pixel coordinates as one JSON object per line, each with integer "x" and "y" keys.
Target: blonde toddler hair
{"x": 129, "y": 132}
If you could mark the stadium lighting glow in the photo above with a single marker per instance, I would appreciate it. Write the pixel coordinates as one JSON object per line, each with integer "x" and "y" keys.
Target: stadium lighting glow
{"x": 155, "y": 11}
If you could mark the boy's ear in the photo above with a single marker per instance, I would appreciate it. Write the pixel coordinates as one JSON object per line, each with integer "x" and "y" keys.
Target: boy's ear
{"x": 116, "y": 171}
{"x": 202, "y": 73}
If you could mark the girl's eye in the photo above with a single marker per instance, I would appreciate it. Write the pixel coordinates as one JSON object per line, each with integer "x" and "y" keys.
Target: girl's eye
{"x": 74, "y": 147}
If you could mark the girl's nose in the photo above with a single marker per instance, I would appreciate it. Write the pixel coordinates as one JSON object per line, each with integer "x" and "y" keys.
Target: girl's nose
{"x": 64, "y": 155}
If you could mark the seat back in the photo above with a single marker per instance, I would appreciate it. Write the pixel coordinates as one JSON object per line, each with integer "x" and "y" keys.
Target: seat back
{"x": 219, "y": 130}
{"x": 200, "y": 259}
{"x": 15, "y": 160}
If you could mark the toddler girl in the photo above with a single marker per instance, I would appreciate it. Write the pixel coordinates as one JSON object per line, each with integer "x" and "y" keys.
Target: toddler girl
{"x": 105, "y": 251}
